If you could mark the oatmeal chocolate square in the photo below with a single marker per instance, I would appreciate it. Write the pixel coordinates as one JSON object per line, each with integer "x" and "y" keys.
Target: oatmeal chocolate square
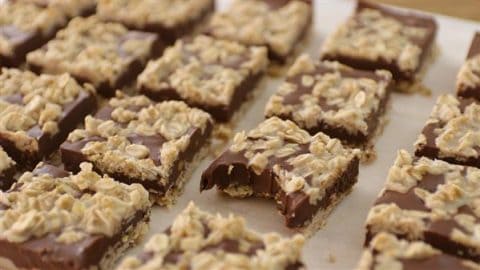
{"x": 386, "y": 251}
{"x": 7, "y": 170}
{"x": 170, "y": 19}
{"x": 430, "y": 200}
{"x": 106, "y": 55}
{"x": 468, "y": 79}
{"x": 136, "y": 140}
{"x": 25, "y": 25}
{"x": 214, "y": 75}
{"x": 307, "y": 175}
{"x": 55, "y": 220}
{"x": 280, "y": 25}
{"x": 452, "y": 132}
{"x": 200, "y": 240}
{"x": 341, "y": 102}
{"x": 38, "y": 111}
{"x": 378, "y": 37}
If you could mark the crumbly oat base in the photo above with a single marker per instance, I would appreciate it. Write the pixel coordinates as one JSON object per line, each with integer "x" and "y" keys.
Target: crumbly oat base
{"x": 93, "y": 50}
{"x": 310, "y": 98}
{"x": 316, "y": 160}
{"x": 469, "y": 75}
{"x": 171, "y": 120}
{"x": 204, "y": 70}
{"x": 443, "y": 202}
{"x": 370, "y": 35}
{"x": 6, "y": 162}
{"x": 140, "y": 13}
{"x": 388, "y": 252}
{"x": 204, "y": 241}
{"x": 458, "y": 133}
{"x": 253, "y": 22}
{"x": 35, "y": 201}
{"x": 42, "y": 100}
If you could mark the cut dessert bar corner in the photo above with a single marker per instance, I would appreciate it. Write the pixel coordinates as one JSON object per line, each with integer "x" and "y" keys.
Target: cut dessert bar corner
{"x": 468, "y": 79}
{"x": 202, "y": 241}
{"x": 432, "y": 201}
{"x": 170, "y": 19}
{"x": 380, "y": 37}
{"x": 451, "y": 132}
{"x": 306, "y": 175}
{"x": 342, "y": 102}
{"x": 60, "y": 220}
{"x": 107, "y": 55}
{"x": 215, "y": 75}
{"x": 280, "y": 25}
{"x": 136, "y": 140}
{"x": 38, "y": 111}
{"x": 386, "y": 251}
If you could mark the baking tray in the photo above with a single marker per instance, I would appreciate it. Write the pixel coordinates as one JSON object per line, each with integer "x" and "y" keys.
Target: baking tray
{"x": 339, "y": 244}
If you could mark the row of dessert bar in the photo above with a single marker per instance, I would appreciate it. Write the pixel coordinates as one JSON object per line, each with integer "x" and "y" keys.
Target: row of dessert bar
{"x": 50, "y": 212}
{"x": 427, "y": 216}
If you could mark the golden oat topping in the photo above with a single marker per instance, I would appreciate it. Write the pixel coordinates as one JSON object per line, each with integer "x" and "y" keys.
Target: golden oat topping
{"x": 253, "y": 22}
{"x": 386, "y": 251}
{"x": 5, "y": 161}
{"x": 202, "y": 241}
{"x": 469, "y": 75}
{"x": 168, "y": 126}
{"x": 69, "y": 208}
{"x": 430, "y": 190}
{"x": 457, "y": 129}
{"x": 317, "y": 92}
{"x": 141, "y": 13}
{"x": 314, "y": 161}
{"x": 373, "y": 36}
{"x": 28, "y": 100}
{"x": 93, "y": 50}
{"x": 204, "y": 70}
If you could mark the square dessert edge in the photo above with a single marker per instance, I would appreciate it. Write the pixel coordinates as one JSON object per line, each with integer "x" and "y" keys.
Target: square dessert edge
{"x": 279, "y": 25}
{"x": 306, "y": 175}
{"x": 136, "y": 140}
{"x": 337, "y": 100}
{"x": 386, "y": 251}
{"x": 379, "y": 37}
{"x": 107, "y": 55}
{"x": 200, "y": 240}
{"x": 468, "y": 78}
{"x": 450, "y": 133}
{"x": 27, "y": 25}
{"x": 60, "y": 220}
{"x": 431, "y": 201}
{"x": 217, "y": 76}
{"x": 38, "y": 112}
{"x": 169, "y": 19}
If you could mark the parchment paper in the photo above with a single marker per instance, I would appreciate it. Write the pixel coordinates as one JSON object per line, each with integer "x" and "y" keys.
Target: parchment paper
{"x": 339, "y": 244}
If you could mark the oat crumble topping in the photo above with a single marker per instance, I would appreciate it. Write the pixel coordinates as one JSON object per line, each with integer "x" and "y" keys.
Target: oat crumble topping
{"x": 170, "y": 121}
{"x": 88, "y": 48}
{"x": 253, "y": 22}
{"x": 41, "y": 101}
{"x": 5, "y": 161}
{"x": 326, "y": 94}
{"x": 457, "y": 133}
{"x": 204, "y": 70}
{"x": 317, "y": 160}
{"x": 140, "y": 13}
{"x": 370, "y": 35}
{"x": 469, "y": 75}
{"x": 199, "y": 239}
{"x": 69, "y": 208}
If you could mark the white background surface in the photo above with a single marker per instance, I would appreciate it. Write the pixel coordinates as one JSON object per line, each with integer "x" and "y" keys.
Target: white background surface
{"x": 343, "y": 235}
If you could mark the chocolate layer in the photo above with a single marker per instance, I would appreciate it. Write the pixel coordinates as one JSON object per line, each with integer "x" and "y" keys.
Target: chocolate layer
{"x": 430, "y": 148}
{"x": 407, "y": 18}
{"x": 73, "y": 114}
{"x": 467, "y": 91}
{"x": 7, "y": 178}
{"x": 232, "y": 170}
{"x": 72, "y": 156}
